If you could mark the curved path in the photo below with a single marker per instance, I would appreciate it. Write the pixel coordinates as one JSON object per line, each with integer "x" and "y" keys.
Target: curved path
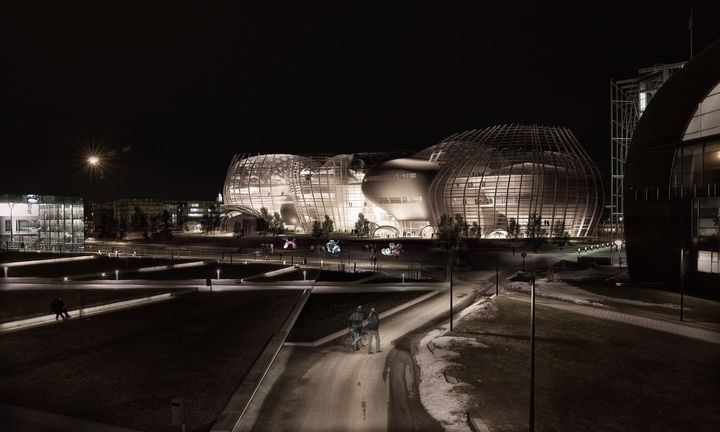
{"x": 331, "y": 389}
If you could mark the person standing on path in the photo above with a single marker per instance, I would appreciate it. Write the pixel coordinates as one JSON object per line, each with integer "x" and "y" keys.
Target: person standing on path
{"x": 373, "y": 331}
{"x": 356, "y": 322}
{"x": 57, "y": 306}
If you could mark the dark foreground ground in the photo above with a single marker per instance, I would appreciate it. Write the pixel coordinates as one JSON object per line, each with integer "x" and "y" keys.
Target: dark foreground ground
{"x": 591, "y": 374}
{"x": 124, "y": 367}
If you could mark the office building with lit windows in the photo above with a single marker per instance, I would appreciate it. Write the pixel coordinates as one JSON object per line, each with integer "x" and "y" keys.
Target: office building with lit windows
{"x": 672, "y": 178}
{"x": 41, "y": 222}
{"x": 494, "y": 178}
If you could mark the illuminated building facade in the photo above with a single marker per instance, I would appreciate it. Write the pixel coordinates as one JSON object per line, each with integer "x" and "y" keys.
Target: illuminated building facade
{"x": 41, "y": 222}
{"x": 672, "y": 179}
{"x": 500, "y": 176}
{"x": 492, "y": 177}
{"x": 303, "y": 189}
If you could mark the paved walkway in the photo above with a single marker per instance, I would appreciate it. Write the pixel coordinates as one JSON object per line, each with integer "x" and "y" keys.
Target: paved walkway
{"x": 332, "y": 389}
{"x": 674, "y": 327}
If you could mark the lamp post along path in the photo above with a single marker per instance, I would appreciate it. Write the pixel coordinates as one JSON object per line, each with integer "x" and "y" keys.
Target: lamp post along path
{"x": 531, "y": 420}
{"x": 450, "y": 273}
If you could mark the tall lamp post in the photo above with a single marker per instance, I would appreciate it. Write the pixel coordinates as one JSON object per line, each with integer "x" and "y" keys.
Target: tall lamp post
{"x": 450, "y": 266}
{"x": 497, "y": 269}
{"x": 93, "y": 162}
{"x": 531, "y": 422}
{"x": 682, "y": 281}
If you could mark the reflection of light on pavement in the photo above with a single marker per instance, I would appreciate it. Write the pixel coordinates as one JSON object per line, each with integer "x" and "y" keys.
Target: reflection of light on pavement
{"x": 46, "y": 261}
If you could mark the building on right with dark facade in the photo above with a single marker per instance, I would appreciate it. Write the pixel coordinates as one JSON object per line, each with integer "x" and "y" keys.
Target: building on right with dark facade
{"x": 672, "y": 180}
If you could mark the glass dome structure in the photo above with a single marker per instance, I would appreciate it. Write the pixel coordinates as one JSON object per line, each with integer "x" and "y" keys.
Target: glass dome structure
{"x": 504, "y": 174}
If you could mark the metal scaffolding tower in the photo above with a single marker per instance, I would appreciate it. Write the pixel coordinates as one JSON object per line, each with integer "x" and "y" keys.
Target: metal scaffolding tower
{"x": 628, "y": 100}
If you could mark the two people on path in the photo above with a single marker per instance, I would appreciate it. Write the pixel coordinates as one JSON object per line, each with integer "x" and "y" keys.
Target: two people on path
{"x": 356, "y": 323}
{"x": 57, "y": 306}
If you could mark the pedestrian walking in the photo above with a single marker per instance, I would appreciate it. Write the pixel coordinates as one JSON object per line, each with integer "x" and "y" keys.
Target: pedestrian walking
{"x": 57, "y": 306}
{"x": 373, "y": 331}
{"x": 356, "y": 322}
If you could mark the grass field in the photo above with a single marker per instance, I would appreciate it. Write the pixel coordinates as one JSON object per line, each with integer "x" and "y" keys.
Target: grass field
{"x": 696, "y": 309}
{"x": 124, "y": 367}
{"x": 591, "y": 374}
{"x": 19, "y": 304}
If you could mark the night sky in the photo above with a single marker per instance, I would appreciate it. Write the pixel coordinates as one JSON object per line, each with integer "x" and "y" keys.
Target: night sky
{"x": 169, "y": 93}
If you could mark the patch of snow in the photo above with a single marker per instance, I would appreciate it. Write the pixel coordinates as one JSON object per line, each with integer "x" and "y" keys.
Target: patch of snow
{"x": 563, "y": 291}
{"x": 446, "y": 402}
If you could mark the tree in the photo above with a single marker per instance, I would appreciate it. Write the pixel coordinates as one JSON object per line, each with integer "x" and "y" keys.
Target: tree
{"x": 475, "y": 231}
{"x": 211, "y": 220}
{"x": 317, "y": 230}
{"x": 362, "y": 226}
{"x": 262, "y": 224}
{"x": 122, "y": 228}
{"x": 328, "y": 226}
{"x": 449, "y": 230}
{"x": 276, "y": 224}
{"x": 106, "y": 227}
{"x": 165, "y": 226}
{"x": 535, "y": 232}
{"x": 462, "y": 226}
{"x": 138, "y": 220}
{"x": 513, "y": 228}
{"x": 559, "y": 234}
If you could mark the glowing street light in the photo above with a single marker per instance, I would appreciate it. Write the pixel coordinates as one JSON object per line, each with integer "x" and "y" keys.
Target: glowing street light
{"x": 93, "y": 160}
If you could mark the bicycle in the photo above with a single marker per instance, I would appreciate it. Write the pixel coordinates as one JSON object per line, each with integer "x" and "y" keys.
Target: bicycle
{"x": 347, "y": 339}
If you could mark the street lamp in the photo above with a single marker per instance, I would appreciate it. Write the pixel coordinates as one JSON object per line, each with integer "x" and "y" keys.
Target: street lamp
{"x": 682, "y": 282}
{"x": 497, "y": 269}
{"x": 532, "y": 355}
{"x": 450, "y": 266}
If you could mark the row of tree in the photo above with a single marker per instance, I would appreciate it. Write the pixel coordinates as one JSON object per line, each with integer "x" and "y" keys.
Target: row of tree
{"x": 267, "y": 224}
{"x": 155, "y": 227}
{"x": 535, "y": 232}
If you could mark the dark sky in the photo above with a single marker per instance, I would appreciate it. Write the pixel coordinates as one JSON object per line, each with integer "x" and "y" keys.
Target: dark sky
{"x": 184, "y": 88}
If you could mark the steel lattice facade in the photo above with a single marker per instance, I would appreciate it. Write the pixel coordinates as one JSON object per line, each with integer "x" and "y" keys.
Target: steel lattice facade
{"x": 490, "y": 176}
{"x": 493, "y": 175}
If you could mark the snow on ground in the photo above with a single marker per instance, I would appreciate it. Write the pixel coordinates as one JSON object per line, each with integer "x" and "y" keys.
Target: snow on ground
{"x": 561, "y": 290}
{"x": 446, "y": 402}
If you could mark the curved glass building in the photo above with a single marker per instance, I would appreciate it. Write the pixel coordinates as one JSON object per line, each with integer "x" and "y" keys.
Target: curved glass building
{"x": 303, "y": 189}
{"x": 495, "y": 178}
{"x": 672, "y": 180}
{"x": 504, "y": 173}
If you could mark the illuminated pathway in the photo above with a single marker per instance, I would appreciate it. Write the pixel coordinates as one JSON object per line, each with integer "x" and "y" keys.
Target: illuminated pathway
{"x": 331, "y": 388}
